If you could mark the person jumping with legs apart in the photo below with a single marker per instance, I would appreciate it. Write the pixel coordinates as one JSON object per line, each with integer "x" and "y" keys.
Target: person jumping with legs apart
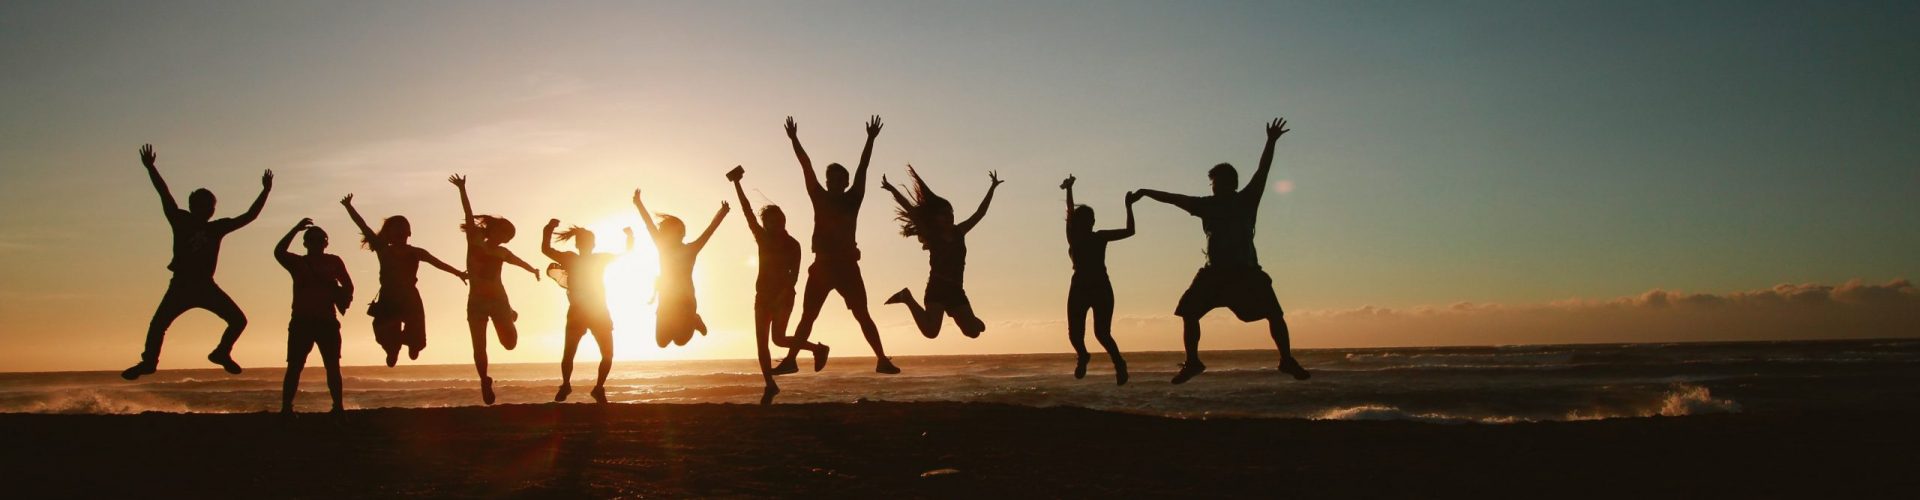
{"x": 773, "y": 290}
{"x": 321, "y": 291}
{"x": 929, "y": 217}
{"x": 584, "y": 275}
{"x": 487, "y": 295}
{"x": 196, "y": 251}
{"x": 399, "y": 318}
{"x": 836, "y": 256}
{"x": 1232, "y": 277}
{"x": 677, "y": 315}
{"x": 1090, "y": 289}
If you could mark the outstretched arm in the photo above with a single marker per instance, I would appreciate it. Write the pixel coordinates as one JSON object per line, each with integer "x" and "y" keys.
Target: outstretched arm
{"x": 897, "y": 197}
{"x": 806, "y": 164}
{"x": 859, "y": 187}
{"x": 428, "y": 258}
{"x": 280, "y": 251}
{"x": 1185, "y": 202}
{"x": 746, "y": 207}
{"x": 1257, "y": 185}
{"x": 373, "y": 239}
{"x": 150, "y": 159}
{"x": 253, "y": 212}
{"x": 701, "y": 242}
{"x": 988, "y": 200}
{"x": 1121, "y": 234}
{"x": 546, "y": 242}
{"x": 466, "y": 207}
{"x": 1068, "y": 185}
{"x": 507, "y": 256}
{"x": 645, "y": 216}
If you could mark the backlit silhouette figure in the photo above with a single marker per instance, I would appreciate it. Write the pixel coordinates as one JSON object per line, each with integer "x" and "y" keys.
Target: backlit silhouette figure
{"x": 399, "y": 319}
{"x": 836, "y": 256}
{"x": 1232, "y": 277}
{"x": 678, "y": 313}
{"x": 321, "y": 290}
{"x": 196, "y": 251}
{"x": 929, "y": 217}
{"x": 584, "y": 275}
{"x": 1090, "y": 289}
{"x": 773, "y": 290}
{"x": 487, "y": 295}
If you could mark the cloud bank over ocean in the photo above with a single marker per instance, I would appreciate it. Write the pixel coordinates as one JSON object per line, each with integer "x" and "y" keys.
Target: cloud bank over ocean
{"x": 1788, "y": 311}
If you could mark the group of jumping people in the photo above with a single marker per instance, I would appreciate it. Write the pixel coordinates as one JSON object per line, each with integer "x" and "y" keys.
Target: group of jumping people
{"x": 323, "y": 290}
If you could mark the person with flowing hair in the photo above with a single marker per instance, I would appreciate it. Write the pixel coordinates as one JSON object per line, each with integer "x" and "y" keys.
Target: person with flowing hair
{"x": 677, "y": 313}
{"x": 399, "y": 317}
{"x": 487, "y": 301}
{"x": 929, "y": 217}
{"x": 583, "y": 274}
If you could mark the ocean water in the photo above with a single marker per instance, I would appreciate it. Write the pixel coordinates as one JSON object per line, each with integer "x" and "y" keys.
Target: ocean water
{"x": 1493, "y": 384}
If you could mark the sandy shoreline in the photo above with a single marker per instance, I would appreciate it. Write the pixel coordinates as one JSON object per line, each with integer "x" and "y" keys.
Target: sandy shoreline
{"x": 873, "y": 449}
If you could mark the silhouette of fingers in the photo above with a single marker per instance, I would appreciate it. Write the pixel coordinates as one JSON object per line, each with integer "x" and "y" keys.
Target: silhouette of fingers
{"x": 147, "y": 156}
{"x": 347, "y": 200}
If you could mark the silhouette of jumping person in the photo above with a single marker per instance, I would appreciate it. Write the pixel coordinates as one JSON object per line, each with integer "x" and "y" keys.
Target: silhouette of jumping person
{"x": 321, "y": 290}
{"x": 399, "y": 319}
{"x": 773, "y": 290}
{"x": 583, "y": 274}
{"x": 929, "y": 217}
{"x": 1232, "y": 277}
{"x": 836, "y": 256}
{"x": 487, "y": 295}
{"x": 677, "y": 314}
{"x": 196, "y": 251}
{"x": 1090, "y": 289}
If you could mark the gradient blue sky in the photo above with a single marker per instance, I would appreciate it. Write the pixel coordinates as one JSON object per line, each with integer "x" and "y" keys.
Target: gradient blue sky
{"x": 1493, "y": 152}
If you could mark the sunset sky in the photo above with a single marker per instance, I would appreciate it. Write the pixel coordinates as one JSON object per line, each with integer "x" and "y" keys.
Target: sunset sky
{"x": 1459, "y": 172}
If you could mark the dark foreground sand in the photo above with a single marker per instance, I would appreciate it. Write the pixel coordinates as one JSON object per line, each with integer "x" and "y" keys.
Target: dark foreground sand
{"x": 888, "y": 449}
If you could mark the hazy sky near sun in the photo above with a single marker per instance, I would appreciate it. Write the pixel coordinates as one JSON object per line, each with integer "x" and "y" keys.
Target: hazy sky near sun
{"x": 1443, "y": 152}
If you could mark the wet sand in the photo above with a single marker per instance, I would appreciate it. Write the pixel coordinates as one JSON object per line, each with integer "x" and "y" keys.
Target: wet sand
{"x": 944, "y": 450}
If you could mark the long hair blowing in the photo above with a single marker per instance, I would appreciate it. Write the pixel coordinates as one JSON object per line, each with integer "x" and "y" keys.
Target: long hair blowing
{"x": 917, "y": 217}
{"x": 570, "y": 233}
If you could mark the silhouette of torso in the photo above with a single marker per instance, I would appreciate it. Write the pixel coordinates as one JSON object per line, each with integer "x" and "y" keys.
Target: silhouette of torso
{"x": 947, "y": 259}
{"x": 835, "y": 216}
{"x": 196, "y": 244}
{"x": 587, "y": 282}
{"x": 779, "y": 262}
{"x": 1228, "y": 221}
{"x": 399, "y": 267}
{"x": 315, "y": 282}
{"x": 484, "y": 272}
{"x": 676, "y": 266}
{"x": 1088, "y": 251}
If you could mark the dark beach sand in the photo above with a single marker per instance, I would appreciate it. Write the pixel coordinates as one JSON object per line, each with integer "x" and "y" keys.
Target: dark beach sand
{"x": 883, "y": 449}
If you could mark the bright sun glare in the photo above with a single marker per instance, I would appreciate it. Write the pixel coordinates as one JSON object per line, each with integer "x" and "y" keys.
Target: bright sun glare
{"x": 630, "y": 288}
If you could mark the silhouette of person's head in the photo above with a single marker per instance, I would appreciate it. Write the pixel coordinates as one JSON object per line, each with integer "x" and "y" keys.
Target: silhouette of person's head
{"x": 494, "y": 230}
{"x": 315, "y": 240}
{"x": 672, "y": 229}
{"x": 1226, "y": 180}
{"x": 774, "y": 219}
{"x": 927, "y": 216}
{"x": 582, "y": 238}
{"x": 836, "y": 178}
{"x": 395, "y": 230}
{"x": 1080, "y": 219}
{"x": 200, "y": 204}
